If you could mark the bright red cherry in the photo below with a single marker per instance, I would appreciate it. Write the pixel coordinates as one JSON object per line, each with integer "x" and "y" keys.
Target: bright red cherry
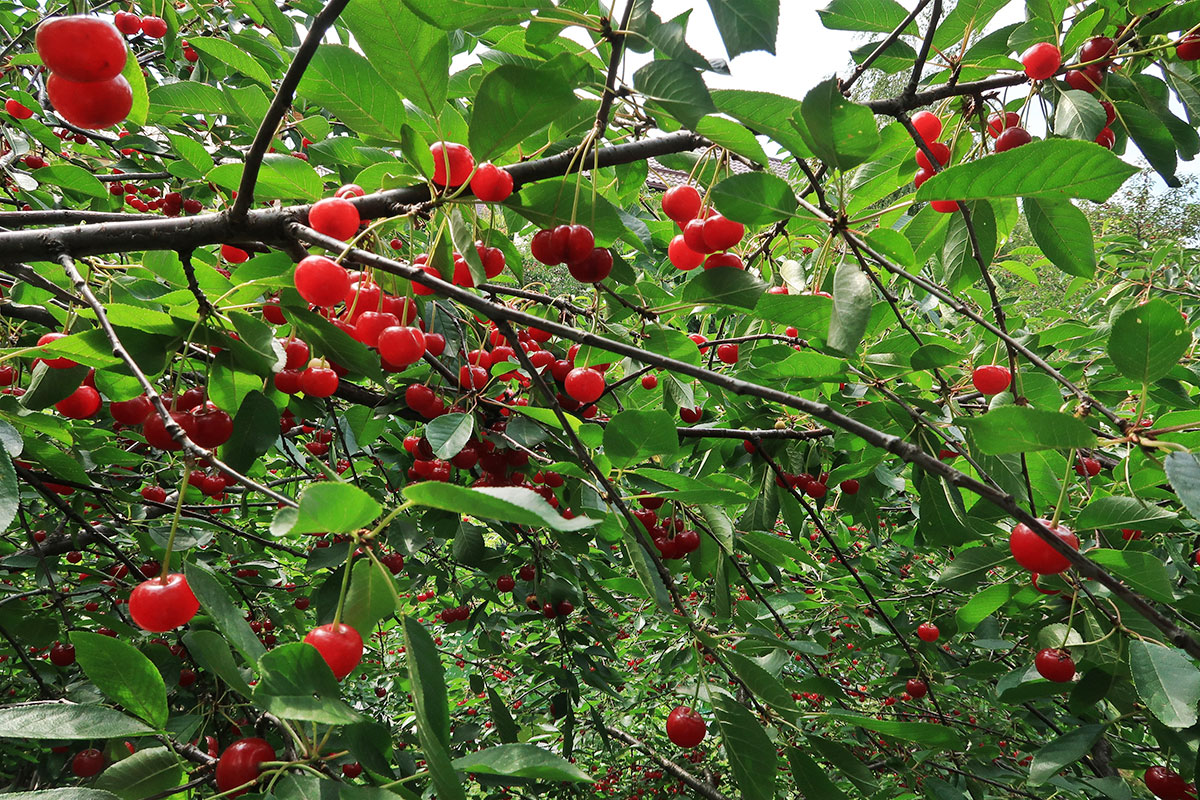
{"x": 728, "y": 353}
{"x": 594, "y": 268}
{"x": 452, "y": 163}
{"x": 1055, "y": 664}
{"x": 92, "y": 105}
{"x": 685, "y": 727}
{"x": 928, "y": 125}
{"x": 921, "y": 176}
{"x": 940, "y": 150}
{"x": 721, "y": 233}
{"x": 1167, "y": 784}
{"x": 681, "y": 204}
{"x": 545, "y": 249}
{"x": 62, "y": 655}
{"x": 693, "y": 236}
{"x": 154, "y": 27}
{"x": 16, "y": 110}
{"x": 238, "y": 765}
{"x": 1088, "y": 466}
{"x": 367, "y": 328}
{"x": 127, "y": 23}
{"x": 1087, "y": 79}
{"x": 1096, "y": 48}
{"x": 916, "y": 688}
{"x": 1188, "y": 48}
{"x": 234, "y": 255}
{"x": 334, "y": 216}
{"x": 1106, "y": 138}
{"x": 1012, "y": 137}
{"x": 928, "y": 632}
{"x": 491, "y": 184}
{"x": 155, "y": 430}
{"x": 87, "y": 763}
{"x": 728, "y": 260}
{"x": 349, "y": 190}
{"x": 212, "y": 427}
{"x": 1036, "y": 555}
{"x": 584, "y": 385}
{"x": 580, "y": 242}
{"x": 649, "y": 381}
{"x": 991, "y": 379}
{"x": 318, "y": 381}
{"x": 682, "y": 256}
{"x": 1131, "y": 534}
{"x": 81, "y": 48}
{"x": 295, "y": 352}
{"x": 321, "y": 281}
{"x": 944, "y": 206}
{"x": 997, "y": 125}
{"x": 55, "y": 363}
{"x": 1041, "y": 60}
{"x": 83, "y": 403}
{"x": 157, "y": 606}
{"x": 340, "y": 646}
{"x": 401, "y": 346}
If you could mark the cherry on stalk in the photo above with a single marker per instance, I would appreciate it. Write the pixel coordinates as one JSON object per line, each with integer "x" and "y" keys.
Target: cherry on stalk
{"x": 81, "y": 48}
{"x": 82, "y": 403}
{"x": 346, "y": 191}
{"x": 928, "y": 125}
{"x": 1087, "y": 79}
{"x": 1096, "y": 48}
{"x": 928, "y": 632}
{"x": 505, "y": 583}
{"x": 1188, "y": 48}
{"x": 850, "y": 486}
{"x": 1012, "y": 137}
{"x": 334, "y": 216}
{"x": 728, "y": 260}
{"x": 62, "y": 655}
{"x": 92, "y": 104}
{"x": 693, "y": 236}
{"x": 341, "y": 646}
{"x": 234, "y": 255}
{"x": 1041, "y": 60}
{"x": 238, "y": 765}
{"x": 1106, "y": 138}
{"x": 681, "y": 204}
{"x": 940, "y": 150}
{"x": 682, "y": 256}
{"x": 211, "y": 427}
{"x": 721, "y": 233}
{"x": 685, "y": 727}
{"x": 155, "y": 430}
{"x": 159, "y": 606}
{"x": 1055, "y": 664}
{"x": 452, "y": 163}
{"x": 691, "y": 415}
{"x": 916, "y": 688}
{"x": 996, "y": 125}
{"x": 318, "y": 380}
{"x": 594, "y": 268}
{"x": 491, "y": 184}
{"x": 921, "y": 176}
{"x": 649, "y": 381}
{"x": 87, "y": 763}
{"x": 584, "y": 385}
{"x": 16, "y": 109}
{"x": 321, "y": 281}
{"x": 154, "y": 27}
{"x": 1167, "y": 784}
{"x": 728, "y": 353}
{"x": 1088, "y": 467}
{"x": 401, "y": 345}
{"x": 55, "y": 363}
{"x": 991, "y": 379}
{"x": 1036, "y": 555}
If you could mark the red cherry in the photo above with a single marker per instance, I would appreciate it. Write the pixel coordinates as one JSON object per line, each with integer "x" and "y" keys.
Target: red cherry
{"x": 155, "y": 430}
{"x": 62, "y": 655}
{"x": 944, "y": 206}
{"x": 470, "y": 377}
{"x": 505, "y": 583}
{"x": 1106, "y": 138}
{"x": 55, "y": 363}
{"x": 340, "y": 646}
{"x": 321, "y": 281}
{"x": 721, "y": 233}
{"x": 81, "y": 48}
{"x": 318, "y": 382}
{"x": 649, "y": 381}
{"x": 728, "y": 353}
{"x": 350, "y": 190}
{"x": 693, "y": 236}
{"x": 594, "y": 268}
{"x": 1130, "y": 534}
{"x": 849, "y": 486}
{"x": 1097, "y": 48}
{"x": 580, "y": 242}
{"x": 545, "y": 249}
{"x": 729, "y": 260}
{"x": 928, "y": 632}
{"x": 1055, "y": 664}
{"x": 334, "y": 216}
{"x": 1087, "y": 79}
{"x": 16, "y": 110}
{"x": 682, "y": 256}
{"x": 991, "y": 379}
{"x": 685, "y": 727}
{"x": 457, "y": 158}
{"x": 1109, "y": 112}
{"x": 126, "y": 23}
{"x": 92, "y": 105}
{"x": 1036, "y": 555}
{"x": 351, "y": 770}
{"x": 238, "y": 765}
{"x": 691, "y": 415}
{"x": 1041, "y": 60}
{"x": 1012, "y": 137}
{"x": 212, "y": 427}
{"x": 272, "y": 313}
{"x": 1188, "y": 48}
{"x": 584, "y": 385}
{"x": 491, "y": 184}
{"x": 940, "y": 150}
{"x": 295, "y": 352}
{"x": 84, "y": 402}
{"x": 234, "y": 255}
{"x": 157, "y": 606}
{"x": 921, "y": 176}
{"x": 154, "y": 27}
{"x": 1167, "y": 784}
{"x": 928, "y": 125}
{"x": 87, "y": 763}
{"x": 367, "y": 328}
{"x": 996, "y": 125}
{"x": 401, "y": 345}
{"x": 916, "y": 688}
{"x": 681, "y": 204}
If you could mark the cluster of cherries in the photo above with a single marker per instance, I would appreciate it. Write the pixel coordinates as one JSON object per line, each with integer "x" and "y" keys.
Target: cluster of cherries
{"x": 1043, "y": 59}
{"x": 575, "y": 246}
{"x": 131, "y": 24}
{"x": 707, "y": 236}
{"x": 671, "y": 537}
{"x": 171, "y": 204}
{"x": 1163, "y": 782}
{"x": 85, "y": 56}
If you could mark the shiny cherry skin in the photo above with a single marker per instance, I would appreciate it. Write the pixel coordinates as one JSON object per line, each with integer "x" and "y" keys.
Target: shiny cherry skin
{"x": 584, "y": 385}
{"x": 685, "y": 727}
{"x": 157, "y": 606}
{"x": 928, "y": 632}
{"x": 321, "y": 281}
{"x": 1188, "y": 48}
{"x": 93, "y": 104}
{"x": 318, "y": 381}
{"x": 154, "y": 27}
{"x": 681, "y": 204}
{"x": 62, "y": 655}
{"x": 940, "y": 150}
{"x": 211, "y": 427}
{"x": 1034, "y": 554}
{"x": 991, "y": 379}
{"x": 452, "y": 163}
{"x": 155, "y": 430}
{"x": 1041, "y": 60}
{"x": 1167, "y": 784}
{"x": 334, "y": 216}
{"x": 1012, "y": 137}
{"x": 505, "y": 583}
{"x": 593, "y": 269}
{"x": 401, "y": 345}
{"x": 55, "y": 363}
{"x": 916, "y": 688}
{"x": 682, "y": 256}
{"x": 81, "y": 48}
{"x": 82, "y": 403}
{"x": 131, "y": 412}
{"x": 17, "y": 110}
{"x": 491, "y": 184}
{"x": 340, "y": 646}
{"x": 239, "y": 764}
{"x": 1055, "y": 664}
{"x": 127, "y": 23}
{"x": 722, "y": 233}
{"x": 87, "y": 763}
{"x": 928, "y": 125}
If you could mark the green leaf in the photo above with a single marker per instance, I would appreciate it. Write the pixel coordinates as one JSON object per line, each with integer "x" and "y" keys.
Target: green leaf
{"x": 840, "y": 133}
{"x": 296, "y": 683}
{"x": 1123, "y": 512}
{"x": 1055, "y": 168}
{"x": 452, "y": 14}
{"x": 1078, "y": 115}
{"x": 761, "y": 682}
{"x": 428, "y": 681}
{"x": 253, "y": 431}
{"x": 371, "y": 597}
{"x": 1065, "y": 750}
{"x": 211, "y": 653}
{"x": 634, "y": 436}
{"x": 411, "y": 55}
{"x": 10, "y": 492}
{"x": 746, "y": 25}
{"x": 677, "y": 88}
{"x": 765, "y": 113}
{"x": 123, "y": 674}
{"x": 346, "y": 84}
{"x": 1063, "y": 233}
{"x": 853, "y": 297}
{"x": 1019, "y": 429}
{"x": 145, "y": 773}
{"x": 925, "y": 733}
{"x": 505, "y": 726}
{"x": 187, "y": 97}
{"x": 521, "y": 761}
{"x": 810, "y": 777}
{"x": 751, "y": 753}
{"x": 1148, "y": 340}
{"x": 1151, "y": 137}
{"x": 72, "y": 178}
{"x": 448, "y": 433}
{"x": 328, "y": 507}
{"x": 727, "y": 286}
{"x": 1146, "y": 573}
{"x": 1183, "y": 473}
{"x": 52, "y": 720}
{"x": 877, "y": 16}
{"x": 229, "y": 619}
{"x": 1167, "y": 681}
{"x": 515, "y": 102}
{"x": 232, "y": 56}
{"x": 140, "y": 108}
{"x": 280, "y": 178}
{"x": 755, "y": 198}
{"x": 982, "y": 605}
{"x": 506, "y": 503}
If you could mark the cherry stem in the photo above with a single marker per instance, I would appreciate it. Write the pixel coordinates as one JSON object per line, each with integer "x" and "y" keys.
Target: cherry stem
{"x": 1062, "y": 493}
{"x": 183, "y": 484}
{"x": 337, "y": 615}
{"x": 1070, "y": 619}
